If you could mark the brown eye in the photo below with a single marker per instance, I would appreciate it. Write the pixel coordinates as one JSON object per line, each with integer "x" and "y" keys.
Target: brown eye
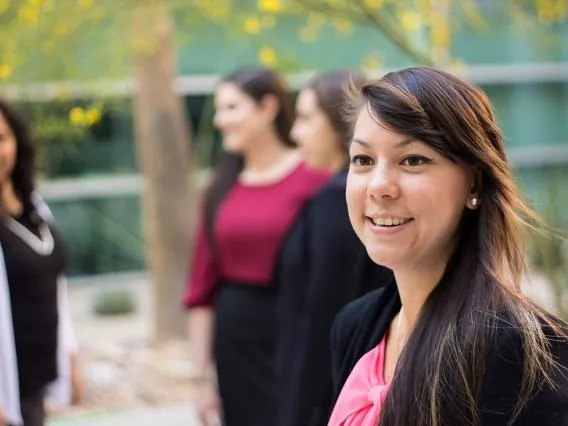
{"x": 415, "y": 160}
{"x": 361, "y": 160}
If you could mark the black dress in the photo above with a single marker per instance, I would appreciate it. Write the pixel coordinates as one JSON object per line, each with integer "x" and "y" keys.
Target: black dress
{"x": 237, "y": 281}
{"x": 322, "y": 266}
{"x": 32, "y": 281}
{"x": 361, "y": 325}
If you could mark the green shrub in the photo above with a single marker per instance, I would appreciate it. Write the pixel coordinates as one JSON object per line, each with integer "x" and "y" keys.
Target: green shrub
{"x": 114, "y": 302}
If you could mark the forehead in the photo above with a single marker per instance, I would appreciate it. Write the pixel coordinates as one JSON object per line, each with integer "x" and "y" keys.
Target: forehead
{"x": 229, "y": 93}
{"x": 307, "y": 100}
{"x": 370, "y": 131}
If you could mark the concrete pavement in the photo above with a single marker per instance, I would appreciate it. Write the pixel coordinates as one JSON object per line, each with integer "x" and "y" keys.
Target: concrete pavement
{"x": 147, "y": 416}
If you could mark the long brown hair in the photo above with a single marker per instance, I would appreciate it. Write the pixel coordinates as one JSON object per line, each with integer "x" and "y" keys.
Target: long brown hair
{"x": 24, "y": 170}
{"x": 442, "y": 367}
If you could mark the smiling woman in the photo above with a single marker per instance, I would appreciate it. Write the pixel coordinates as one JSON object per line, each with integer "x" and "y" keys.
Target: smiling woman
{"x": 418, "y": 196}
{"x": 255, "y": 197}
{"x": 452, "y": 341}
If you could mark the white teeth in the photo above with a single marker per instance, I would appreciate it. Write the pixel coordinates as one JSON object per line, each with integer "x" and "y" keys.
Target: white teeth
{"x": 389, "y": 221}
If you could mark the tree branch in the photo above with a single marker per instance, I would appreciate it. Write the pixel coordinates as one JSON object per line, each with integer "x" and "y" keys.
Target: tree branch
{"x": 393, "y": 35}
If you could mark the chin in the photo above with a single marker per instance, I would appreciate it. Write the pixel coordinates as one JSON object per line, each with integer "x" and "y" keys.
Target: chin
{"x": 233, "y": 144}
{"x": 233, "y": 148}
{"x": 380, "y": 257}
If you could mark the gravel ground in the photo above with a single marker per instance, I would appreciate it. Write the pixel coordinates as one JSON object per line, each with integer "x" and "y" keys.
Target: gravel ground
{"x": 124, "y": 374}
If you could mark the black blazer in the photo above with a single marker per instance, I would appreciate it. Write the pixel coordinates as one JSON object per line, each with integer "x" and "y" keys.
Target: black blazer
{"x": 322, "y": 267}
{"x": 360, "y": 326}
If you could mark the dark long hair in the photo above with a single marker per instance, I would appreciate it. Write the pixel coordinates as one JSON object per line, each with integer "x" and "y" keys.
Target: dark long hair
{"x": 256, "y": 83}
{"x": 442, "y": 367}
{"x": 330, "y": 90}
{"x": 23, "y": 174}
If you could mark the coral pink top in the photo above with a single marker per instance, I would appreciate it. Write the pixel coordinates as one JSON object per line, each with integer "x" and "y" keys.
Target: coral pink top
{"x": 364, "y": 392}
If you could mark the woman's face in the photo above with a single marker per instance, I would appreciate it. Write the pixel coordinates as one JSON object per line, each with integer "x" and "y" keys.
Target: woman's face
{"x": 313, "y": 132}
{"x": 405, "y": 199}
{"x": 239, "y": 118}
{"x": 8, "y": 149}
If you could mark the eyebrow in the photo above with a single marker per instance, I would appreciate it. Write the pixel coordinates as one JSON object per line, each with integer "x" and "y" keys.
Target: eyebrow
{"x": 401, "y": 144}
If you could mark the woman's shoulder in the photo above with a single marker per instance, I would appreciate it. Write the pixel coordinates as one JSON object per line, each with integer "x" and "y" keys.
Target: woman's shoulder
{"x": 356, "y": 311}
{"x": 41, "y": 206}
{"x": 312, "y": 177}
{"x": 505, "y": 370}
{"x": 330, "y": 197}
{"x": 363, "y": 313}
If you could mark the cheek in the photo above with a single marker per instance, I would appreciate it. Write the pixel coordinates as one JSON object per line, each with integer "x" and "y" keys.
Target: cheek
{"x": 319, "y": 137}
{"x": 441, "y": 199}
{"x": 8, "y": 150}
{"x": 355, "y": 195}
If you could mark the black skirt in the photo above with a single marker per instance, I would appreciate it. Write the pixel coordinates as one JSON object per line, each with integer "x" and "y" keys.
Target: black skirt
{"x": 244, "y": 347}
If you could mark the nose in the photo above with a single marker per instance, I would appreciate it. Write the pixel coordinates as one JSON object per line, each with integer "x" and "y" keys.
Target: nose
{"x": 218, "y": 119}
{"x": 295, "y": 133}
{"x": 384, "y": 183}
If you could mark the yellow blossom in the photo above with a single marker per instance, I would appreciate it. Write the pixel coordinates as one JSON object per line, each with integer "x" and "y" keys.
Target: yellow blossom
{"x": 4, "y": 6}
{"x": 270, "y": 6}
{"x": 410, "y": 21}
{"x": 371, "y": 62}
{"x": 29, "y": 13}
{"x": 85, "y": 4}
{"x": 545, "y": 12}
{"x": 77, "y": 116}
{"x": 374, "y": 4}
{"x": 343, "y": 26}
{"x": 458, "y": 67}
{"x": 252, "y": 25}
{"x": 92, "y": 116}
{"x": 440, "y": 36}
{"x": 61, "y": 28}
{"x": 5, "y": 71}
{"x": 268, "y": 57}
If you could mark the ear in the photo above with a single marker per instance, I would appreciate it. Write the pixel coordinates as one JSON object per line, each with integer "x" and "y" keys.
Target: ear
{"x": 474, "y": 196}
{"x": 270, "y": 106}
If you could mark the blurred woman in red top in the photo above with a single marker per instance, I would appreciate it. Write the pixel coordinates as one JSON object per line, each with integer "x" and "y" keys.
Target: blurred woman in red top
{"x": 255, "y": 197}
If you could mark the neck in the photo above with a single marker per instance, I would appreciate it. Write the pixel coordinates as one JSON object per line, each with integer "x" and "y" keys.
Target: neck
{"x": 337, "y": 163}
{"x": 414, "y": 286}
{"x": 266, "y": 154}
{"x": 10, "y": 202}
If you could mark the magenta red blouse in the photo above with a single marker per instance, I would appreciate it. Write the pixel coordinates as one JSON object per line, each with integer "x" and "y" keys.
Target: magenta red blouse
{"x": 364, "y": 392}
{"x": 249, "y": 228}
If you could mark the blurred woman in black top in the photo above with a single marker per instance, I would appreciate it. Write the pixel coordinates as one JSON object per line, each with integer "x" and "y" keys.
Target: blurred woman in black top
{"x": 322, "y": 265}
{"x": 37, "y": 345}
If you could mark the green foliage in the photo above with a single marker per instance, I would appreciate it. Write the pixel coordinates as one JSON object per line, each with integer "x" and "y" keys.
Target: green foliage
{"x": 86, "y": 44}
{"x": 549, "y": 250}
{"x": 114, "y": 302}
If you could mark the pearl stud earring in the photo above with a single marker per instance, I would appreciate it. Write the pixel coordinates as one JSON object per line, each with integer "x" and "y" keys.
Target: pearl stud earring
{"x": 474, "y": 201}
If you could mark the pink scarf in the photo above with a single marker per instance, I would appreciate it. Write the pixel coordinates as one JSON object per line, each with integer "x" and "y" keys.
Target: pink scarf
{"x": 364, "y": 392}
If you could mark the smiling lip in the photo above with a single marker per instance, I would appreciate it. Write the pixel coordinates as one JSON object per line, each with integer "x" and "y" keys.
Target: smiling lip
{"x": 387, "y": 224}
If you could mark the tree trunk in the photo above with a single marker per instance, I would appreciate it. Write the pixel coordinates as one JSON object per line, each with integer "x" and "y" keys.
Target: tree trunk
{"x": 162, "y": 141}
